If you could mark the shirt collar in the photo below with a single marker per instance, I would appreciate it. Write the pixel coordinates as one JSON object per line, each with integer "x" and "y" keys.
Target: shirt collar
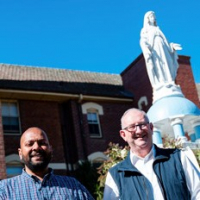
{"x": 134, "y": 158}
{"x": 48, "y": 175}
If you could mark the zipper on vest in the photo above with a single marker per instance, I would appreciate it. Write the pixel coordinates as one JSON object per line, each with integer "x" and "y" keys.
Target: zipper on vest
{"x": 145, "y": 187}
{"x": 159, "y": 181}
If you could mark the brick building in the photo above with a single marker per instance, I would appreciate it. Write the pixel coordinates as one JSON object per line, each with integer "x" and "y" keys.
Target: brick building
{"x": 80, "y": 111}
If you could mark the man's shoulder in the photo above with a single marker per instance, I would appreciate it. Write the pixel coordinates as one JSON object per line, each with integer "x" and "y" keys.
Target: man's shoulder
{"x": 65, "y": 179}
{"x": 167, "y": 150}
{"x": 122, "y": 164}
{"x": 11, "y": 182}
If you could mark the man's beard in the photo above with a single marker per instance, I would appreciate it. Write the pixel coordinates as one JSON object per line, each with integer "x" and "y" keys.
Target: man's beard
{"x": 37, "y": 166}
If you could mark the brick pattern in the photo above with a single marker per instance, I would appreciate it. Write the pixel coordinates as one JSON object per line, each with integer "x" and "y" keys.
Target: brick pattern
{"x": 110, "y": 126}
{"x": 2, "y": 151}
{"x": 185, "y": 79}
{"x": 135, "y": 79}
{"x": 40, "y": 114}
{"x": 46, "y": 115}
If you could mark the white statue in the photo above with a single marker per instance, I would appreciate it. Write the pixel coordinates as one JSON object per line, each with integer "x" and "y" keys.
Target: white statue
{"x": 160, "y": 56}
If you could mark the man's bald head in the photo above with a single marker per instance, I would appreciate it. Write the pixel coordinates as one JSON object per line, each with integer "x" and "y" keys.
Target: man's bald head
{"x": 132, "y": 112}
{"x": 33, "y": 130}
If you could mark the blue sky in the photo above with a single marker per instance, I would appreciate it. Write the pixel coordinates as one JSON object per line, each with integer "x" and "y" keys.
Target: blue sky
{"x": 92, "y": 35}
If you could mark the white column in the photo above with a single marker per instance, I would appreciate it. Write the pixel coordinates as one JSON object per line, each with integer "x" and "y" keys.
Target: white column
{"x": 196, "y": 126}
{"x": 157, "y": 139}
{"x": 177, "y": 125}
{"x": 192, "y": 135}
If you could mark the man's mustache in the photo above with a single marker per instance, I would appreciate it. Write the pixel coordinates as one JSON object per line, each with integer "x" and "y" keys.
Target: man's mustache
{"x": 38, "y": 153}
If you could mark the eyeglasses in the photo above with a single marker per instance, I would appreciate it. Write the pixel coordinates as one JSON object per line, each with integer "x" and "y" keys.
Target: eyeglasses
{"x": 133, "y": 127}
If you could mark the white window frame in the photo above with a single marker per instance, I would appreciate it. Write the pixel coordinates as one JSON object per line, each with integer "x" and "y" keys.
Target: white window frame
{"x": 96, "y": 109}
{"x": 95, "y": 123}
{"x": 18, "y": 116}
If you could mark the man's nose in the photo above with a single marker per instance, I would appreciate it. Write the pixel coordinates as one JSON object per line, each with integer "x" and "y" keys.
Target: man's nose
{"x": 138, "y": 128}
{"x": 36, "y": 146}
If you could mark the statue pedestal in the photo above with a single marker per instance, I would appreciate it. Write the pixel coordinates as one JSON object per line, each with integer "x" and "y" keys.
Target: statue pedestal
{"x": 174, "y": 116}
{"x": 166, "y": 90}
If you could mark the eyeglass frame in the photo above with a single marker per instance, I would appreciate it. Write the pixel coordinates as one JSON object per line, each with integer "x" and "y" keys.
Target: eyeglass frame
{"x": 135, "y": 126}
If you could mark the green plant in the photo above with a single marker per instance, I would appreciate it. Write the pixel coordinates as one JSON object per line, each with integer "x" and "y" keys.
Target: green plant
{"x": 197, "y": 155}
{"x": 87, "y": 175}
{"x": 177, "y": 143}
{"x": 115, "y": 154}
{"x": 169, "y": 142}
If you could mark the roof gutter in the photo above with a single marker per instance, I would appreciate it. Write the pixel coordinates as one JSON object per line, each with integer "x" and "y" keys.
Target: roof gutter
{"x": 14, "y": 94}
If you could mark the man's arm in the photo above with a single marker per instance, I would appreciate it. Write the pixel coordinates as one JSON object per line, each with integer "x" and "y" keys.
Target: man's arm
{"x": 2, "y": 191}
{"x": 110, "y": 191}
{"x": 192, "y": 173}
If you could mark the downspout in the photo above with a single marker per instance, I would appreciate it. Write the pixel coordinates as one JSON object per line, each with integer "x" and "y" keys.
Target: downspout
{"x": 80, "y": 98}
{"x": 81, "y": 126}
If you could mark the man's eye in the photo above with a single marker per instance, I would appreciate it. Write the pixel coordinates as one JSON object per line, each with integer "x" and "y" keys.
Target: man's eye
{"x": 133, "y": 126}
{"x": 29, "y": 144}
{"x": 43, "y": 143}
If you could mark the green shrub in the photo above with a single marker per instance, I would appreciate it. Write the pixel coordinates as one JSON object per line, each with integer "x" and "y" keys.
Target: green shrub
{"x": 87, "y": 175}
{"x": 115, "y": 154}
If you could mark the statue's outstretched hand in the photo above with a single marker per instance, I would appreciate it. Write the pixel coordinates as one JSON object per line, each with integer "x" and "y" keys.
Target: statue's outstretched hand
{"x": 175, "y": 46}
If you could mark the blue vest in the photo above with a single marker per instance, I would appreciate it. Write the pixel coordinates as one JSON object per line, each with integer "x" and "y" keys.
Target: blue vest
{"x": 133, "y": 185}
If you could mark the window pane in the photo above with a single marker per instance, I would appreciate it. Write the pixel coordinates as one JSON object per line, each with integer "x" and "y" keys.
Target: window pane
{"x": 10, "y": 118}
{"x": 13, "y": 110}
{"x": 9, "y": 109}
{"x": 13, "y": 170}
{"x": 92, "y": 117}
{"x": 93, "y": 124}
{"x": 10, "y": 129}
{"x": 5, "y": 109}
{"x": 94, "y": 129}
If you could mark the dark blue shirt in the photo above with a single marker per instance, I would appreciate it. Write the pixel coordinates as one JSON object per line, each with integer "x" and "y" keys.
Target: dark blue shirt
{"x": 53, "y": 187}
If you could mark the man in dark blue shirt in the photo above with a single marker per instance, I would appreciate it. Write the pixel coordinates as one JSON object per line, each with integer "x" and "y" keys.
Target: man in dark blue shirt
{"x": 37, "y": 181}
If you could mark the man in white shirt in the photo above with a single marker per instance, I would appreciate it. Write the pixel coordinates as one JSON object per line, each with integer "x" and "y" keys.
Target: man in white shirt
{"x": 150, "y": 172}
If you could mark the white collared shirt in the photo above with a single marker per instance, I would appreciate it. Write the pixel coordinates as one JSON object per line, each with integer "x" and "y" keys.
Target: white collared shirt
{"x": 145, "y": 166}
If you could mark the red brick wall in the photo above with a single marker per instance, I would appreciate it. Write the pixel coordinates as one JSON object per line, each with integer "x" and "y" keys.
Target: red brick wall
{"x": 2, "y": 157}
{"x": 42, "y": 114}
{"x": 78, "y": 130}
{"x": 135, "y": 79}
{"x": 110, "y": 126}
{"x": 46, "y": 115}
{"x": 83, "y": 144}
{"x": 2, "y": 151}
{"x": 185, "y": 79}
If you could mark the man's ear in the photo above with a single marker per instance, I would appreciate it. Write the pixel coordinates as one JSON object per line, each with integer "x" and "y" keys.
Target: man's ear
{"x": 20, "y": 153}
{"x": 123, "y": 134}
{"x": 151, "y": 126}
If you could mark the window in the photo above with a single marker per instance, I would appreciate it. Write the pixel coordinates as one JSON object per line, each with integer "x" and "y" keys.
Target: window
{"x": 13, "y": 165}
{"x": 97, "y": 158}
{"x": 93, "y": 110}
{"x": 10, "y": 118}
{"x": 13, "y": 169}
{"x": 93, "y": 123}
